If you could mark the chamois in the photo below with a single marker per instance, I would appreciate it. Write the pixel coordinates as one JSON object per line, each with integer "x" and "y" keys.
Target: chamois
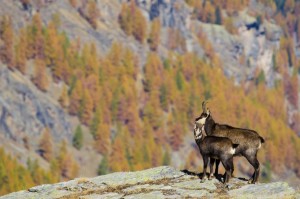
{"x": 249, "y": 140}
{"x": 212, "y": 147}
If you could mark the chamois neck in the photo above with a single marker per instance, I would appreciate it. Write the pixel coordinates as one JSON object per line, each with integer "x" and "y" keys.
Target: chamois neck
{"x": 199, "y": 140}
{"x": 209, "y": 125}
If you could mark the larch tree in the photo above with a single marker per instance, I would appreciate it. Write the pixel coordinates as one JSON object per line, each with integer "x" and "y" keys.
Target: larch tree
{"x": 92, "y": 84}
{"x": 125, "y": 19}
{"x": 7, "y": 35}
{"x": 139, "y": 25}
{"x": 117, "y": 159}
{"x": 75, "y": 98}
{"x": 86, "y": 107}
{"x": 40, "y": 77}
{"x": 97, "y": 118}
{"x": 64, "y": 97}
{"x": 37, "y": 37}
{"x": 102, "y": 139}
{"x": 73, "y": 3}
{"x": 67, "y": 165}
{"x": 92, "y": 13}
{"x": 20, "y": 49}
{"x": 52, "y": 44}
{"x": 132, "y": 21}
{"x": 153, "y": 71}
{"x": 175, "y": 133}
{"x": 46, "y": 145}
{"x": 154, "y": 37}
{"x": 157, "y": 156}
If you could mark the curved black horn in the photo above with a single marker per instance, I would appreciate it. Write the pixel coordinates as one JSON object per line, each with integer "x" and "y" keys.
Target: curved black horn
{"x": 204, "y": 106}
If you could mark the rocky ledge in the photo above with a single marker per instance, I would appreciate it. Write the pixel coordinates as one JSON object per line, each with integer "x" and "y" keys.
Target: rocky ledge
{"x": 159, "y": 182}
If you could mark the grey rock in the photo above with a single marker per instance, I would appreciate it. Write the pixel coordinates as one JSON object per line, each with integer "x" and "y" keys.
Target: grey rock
{"x": 104, "y": 196}
{"x": 195, "y": 184}
{"x": 151, "y": 195}
{"x": 131, "y": 178}
{"x": 192, "y": 193}
{"x": 271, "y": 190}
{"x": 159, "y": 182}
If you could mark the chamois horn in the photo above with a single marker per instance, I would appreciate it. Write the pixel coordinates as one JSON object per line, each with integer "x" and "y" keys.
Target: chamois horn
{"x": 204, "y": 106}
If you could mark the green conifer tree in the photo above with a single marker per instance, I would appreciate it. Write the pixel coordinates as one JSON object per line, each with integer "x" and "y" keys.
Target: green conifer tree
{"x": 78, "y": 138}
{"x": 103, "y": 167}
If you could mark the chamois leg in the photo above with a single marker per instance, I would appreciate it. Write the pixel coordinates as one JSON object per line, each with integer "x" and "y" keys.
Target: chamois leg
{"x": 205, "y": 162}
{"x": 252, "y": 159}
{"x": 211, "y": 165}
{"x": 217, "y": 167}
{"x": 228, "y": 167}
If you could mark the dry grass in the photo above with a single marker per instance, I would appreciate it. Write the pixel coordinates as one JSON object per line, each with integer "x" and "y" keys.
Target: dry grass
{"x": 82, "y": 180}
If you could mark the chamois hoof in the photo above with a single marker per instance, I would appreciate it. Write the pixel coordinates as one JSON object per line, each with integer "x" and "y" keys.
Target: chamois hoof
{"x": 203, "y": 179}
{"x": 251, "y": 181}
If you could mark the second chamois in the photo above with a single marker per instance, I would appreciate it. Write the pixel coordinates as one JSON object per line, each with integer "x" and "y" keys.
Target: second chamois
{"x": 212, "y": 147}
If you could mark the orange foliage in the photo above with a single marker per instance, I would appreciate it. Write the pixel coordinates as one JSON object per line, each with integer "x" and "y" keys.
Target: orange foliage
{"x": 154, "y": 37}
{"x": 40, "y": 77}
{"x": 92, "y": 13}
{"x": 15, "y": 177}
{"x": 45, "y": 145}
{"x": 7, "y": 35}
{"x": 132, "y": 21}
{"x": 117, "y": 159}
{"x": 20, "y": 52}
{"x": 102, "y": 139}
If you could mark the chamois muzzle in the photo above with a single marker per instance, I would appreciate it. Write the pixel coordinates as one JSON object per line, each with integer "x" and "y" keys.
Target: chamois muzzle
{"x": 197, "y": 132}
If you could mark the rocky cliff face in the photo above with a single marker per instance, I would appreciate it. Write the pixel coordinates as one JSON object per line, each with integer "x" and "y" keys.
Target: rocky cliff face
{"x": 26, "y": 111}
{"x": 159, "y": 182}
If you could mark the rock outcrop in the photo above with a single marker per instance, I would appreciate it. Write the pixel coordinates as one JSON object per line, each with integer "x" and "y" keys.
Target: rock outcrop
{"x": 159, "y": 182}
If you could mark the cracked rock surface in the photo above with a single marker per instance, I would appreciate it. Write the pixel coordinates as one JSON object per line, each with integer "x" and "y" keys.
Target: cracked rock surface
{"x": 159, "y": 182}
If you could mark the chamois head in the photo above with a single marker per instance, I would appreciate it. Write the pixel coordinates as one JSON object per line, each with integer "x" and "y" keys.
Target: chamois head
{"x": 200, "y": 121}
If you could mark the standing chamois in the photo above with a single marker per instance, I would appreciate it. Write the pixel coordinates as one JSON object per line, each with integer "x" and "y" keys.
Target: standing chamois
{"x": 249, "y": 141}
{"x": 211, "y": 148}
